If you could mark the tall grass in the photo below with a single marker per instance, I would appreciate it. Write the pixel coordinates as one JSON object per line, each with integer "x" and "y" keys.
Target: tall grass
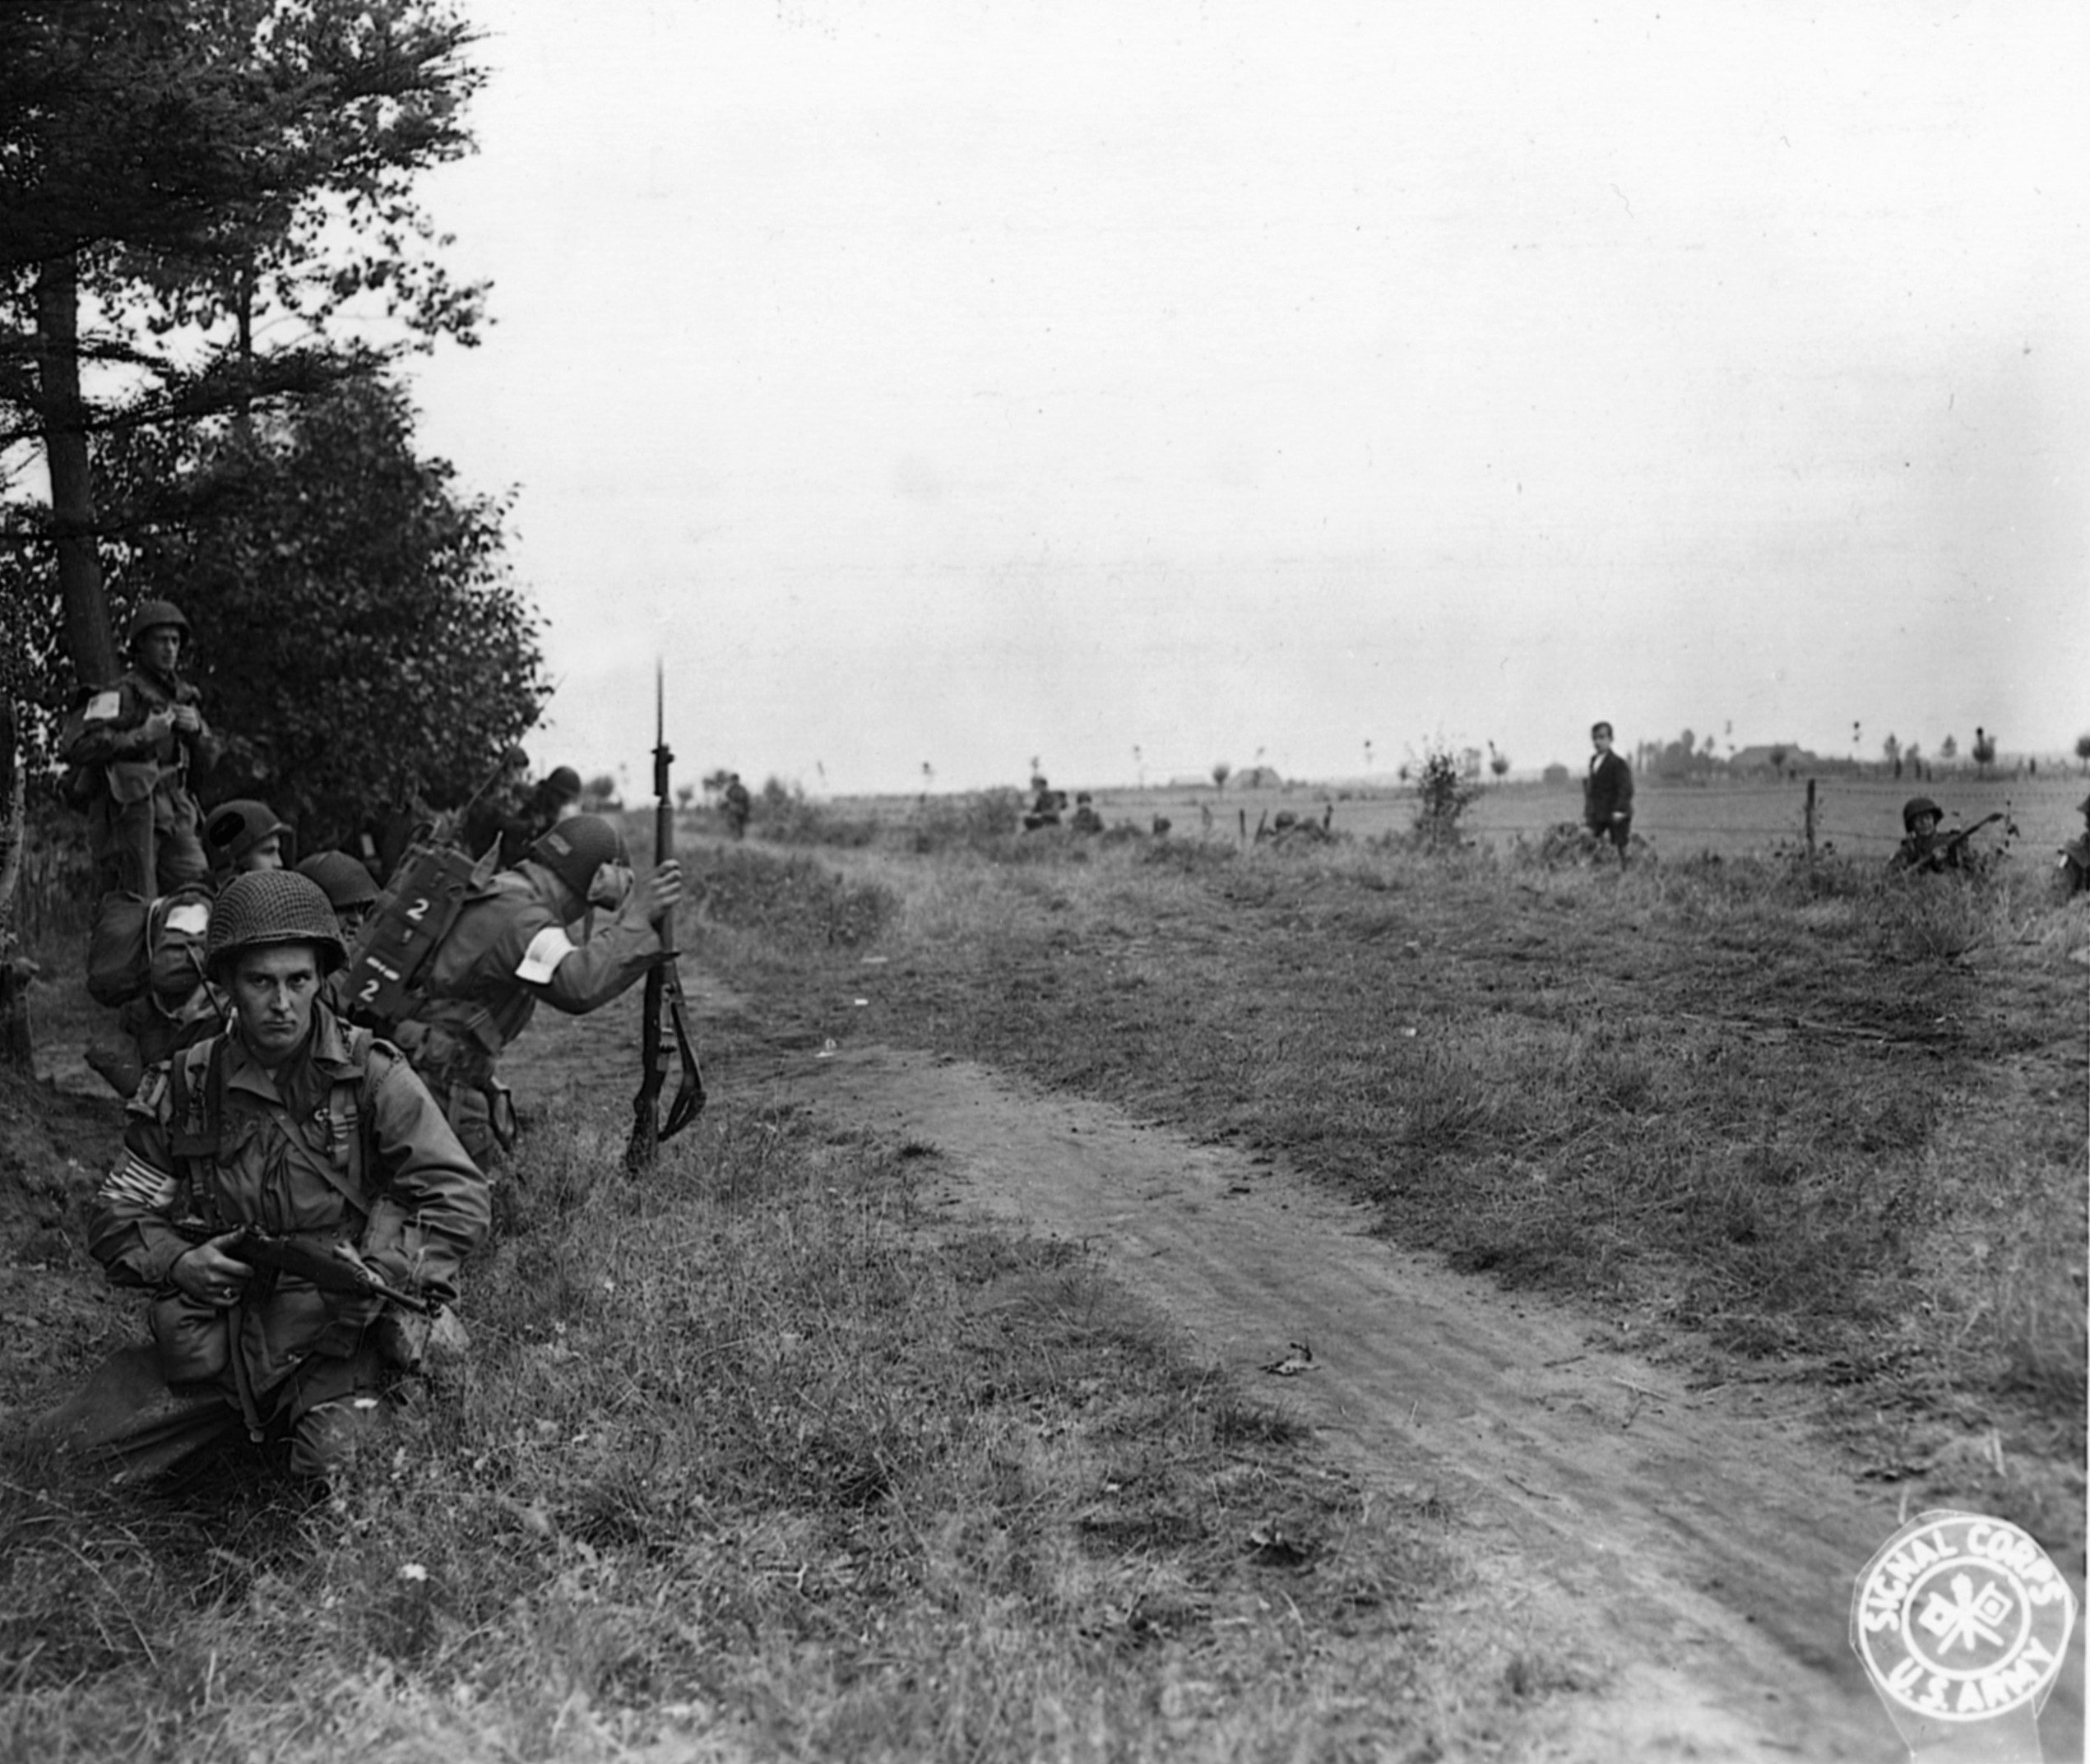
{"x": 1810, "y": 1116}
{"x": 750, "y": 1461}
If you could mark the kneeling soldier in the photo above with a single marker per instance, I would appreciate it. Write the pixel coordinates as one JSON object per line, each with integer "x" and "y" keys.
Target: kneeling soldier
{"x": 310, "y": 1147}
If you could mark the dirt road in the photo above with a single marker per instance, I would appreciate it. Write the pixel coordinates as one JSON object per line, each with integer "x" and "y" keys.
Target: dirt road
{"x": 1680, "y": 1561}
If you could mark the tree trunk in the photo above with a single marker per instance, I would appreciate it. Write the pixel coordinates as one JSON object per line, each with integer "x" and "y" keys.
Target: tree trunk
{"x": 15, "y": 971}
{"x": 63, "y": 415}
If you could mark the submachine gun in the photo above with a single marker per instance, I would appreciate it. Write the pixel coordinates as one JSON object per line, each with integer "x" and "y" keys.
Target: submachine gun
{"x": 664, "y": 1010}
{"x": 333, "y": 1267}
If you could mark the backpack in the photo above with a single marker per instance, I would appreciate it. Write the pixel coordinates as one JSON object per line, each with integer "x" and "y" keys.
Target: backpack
{"x": 175, "y": 932}
{"x": 404, "y": 931}
{"x": 136, "y": 945}
{"x": 116, "y": 967}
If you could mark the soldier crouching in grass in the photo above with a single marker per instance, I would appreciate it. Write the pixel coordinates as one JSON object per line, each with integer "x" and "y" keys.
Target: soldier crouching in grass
{"x": 311, "y": 1148}
{"x": 1926, "y": 851}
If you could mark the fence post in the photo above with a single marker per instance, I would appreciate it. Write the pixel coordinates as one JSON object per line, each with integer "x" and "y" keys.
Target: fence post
{"x": 1810, "y": 820}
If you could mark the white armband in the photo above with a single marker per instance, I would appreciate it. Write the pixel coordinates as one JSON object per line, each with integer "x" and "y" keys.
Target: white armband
{"x": 547, "y": 949}
{"x": 102, "y": 707}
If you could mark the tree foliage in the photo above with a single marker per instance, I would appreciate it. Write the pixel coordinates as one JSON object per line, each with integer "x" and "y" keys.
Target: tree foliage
{"x": 358, "y": 635}
{"x": 206, "y": 205}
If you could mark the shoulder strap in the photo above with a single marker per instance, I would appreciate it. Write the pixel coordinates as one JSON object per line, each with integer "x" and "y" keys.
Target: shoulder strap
{"x": 196, "y": 1124}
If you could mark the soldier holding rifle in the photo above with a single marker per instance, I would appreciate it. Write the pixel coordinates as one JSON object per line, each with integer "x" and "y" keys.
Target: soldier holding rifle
{"x": 511, "y": 948}
{"x": 292, "y": 1196}
{"x": 1926, "y": 851}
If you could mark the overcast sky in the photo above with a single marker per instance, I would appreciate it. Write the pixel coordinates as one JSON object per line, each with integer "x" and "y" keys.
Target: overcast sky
{"x": 1139, "y": 383}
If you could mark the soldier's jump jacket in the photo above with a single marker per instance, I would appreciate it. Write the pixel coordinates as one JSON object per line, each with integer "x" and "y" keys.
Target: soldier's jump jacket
{"x": 509, "y": 949}
{"x": 344, "y": 1143}
{"x": 108, "y": 731}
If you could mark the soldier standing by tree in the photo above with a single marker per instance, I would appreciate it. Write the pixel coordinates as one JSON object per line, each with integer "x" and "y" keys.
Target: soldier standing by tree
{"x": 131, "y": 746}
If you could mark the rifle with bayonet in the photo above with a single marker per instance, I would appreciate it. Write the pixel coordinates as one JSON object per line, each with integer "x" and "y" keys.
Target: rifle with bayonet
{"x": 663, "y": 1009}
{"x": 332, "y": 1267}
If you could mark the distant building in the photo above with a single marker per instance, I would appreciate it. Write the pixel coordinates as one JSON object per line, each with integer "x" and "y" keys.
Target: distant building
{"x": 1758, "y": 758}
{"x": 1556, "y": 773}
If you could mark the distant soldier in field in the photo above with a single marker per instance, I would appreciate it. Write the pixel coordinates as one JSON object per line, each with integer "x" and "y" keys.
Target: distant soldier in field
{"x": 130, "y": 747}
{"x": 1086, "y": 819}
{"x": 1926, "y": 851}
{"x": 1046, "y": 805}
{"x": 739, "y": 806}
{"x": 1607, "y": 792}
{"x": 292, "y": 1125}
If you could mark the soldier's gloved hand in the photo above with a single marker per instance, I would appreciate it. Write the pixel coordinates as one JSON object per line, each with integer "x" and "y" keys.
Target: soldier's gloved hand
{"x": 209, "y": 1275}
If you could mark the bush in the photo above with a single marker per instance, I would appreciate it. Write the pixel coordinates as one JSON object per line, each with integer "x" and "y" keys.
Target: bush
{"x": 792, "y": 900}
{"x": 783, "y": 815}
{"x": 1442, "y": 795}
{"x": 939, "y": 821}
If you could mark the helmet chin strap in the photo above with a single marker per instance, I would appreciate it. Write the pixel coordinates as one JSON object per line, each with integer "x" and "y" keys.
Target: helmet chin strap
{"x": 610, "y": 887}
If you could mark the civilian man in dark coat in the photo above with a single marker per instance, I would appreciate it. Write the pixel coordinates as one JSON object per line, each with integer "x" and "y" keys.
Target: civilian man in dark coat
{"x": 1607, "y": 792}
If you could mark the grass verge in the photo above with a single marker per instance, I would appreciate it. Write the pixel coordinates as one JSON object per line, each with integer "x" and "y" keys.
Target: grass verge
{"x": 1801, "y": 1121}
{"x": 751, "y": 1460}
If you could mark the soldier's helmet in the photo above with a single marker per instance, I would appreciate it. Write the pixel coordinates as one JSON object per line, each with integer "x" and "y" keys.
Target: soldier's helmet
{"x": 270, "y": 907}
{"x": 233, "y": 829}
{"x": 564, "y": 783}
{"x": 577, "y": 848}
{"x": 341, "y": 879}
{"x": 1918, "y": 805}
{"x": 152, "y": 615}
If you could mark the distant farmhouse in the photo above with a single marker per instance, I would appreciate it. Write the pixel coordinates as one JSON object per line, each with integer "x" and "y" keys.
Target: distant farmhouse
{"x": 1758, "y": 758}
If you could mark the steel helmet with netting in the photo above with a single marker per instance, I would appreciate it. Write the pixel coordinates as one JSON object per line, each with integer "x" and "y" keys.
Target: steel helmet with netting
{"x": 271, "y": 906}
{"x": 1918, "y": 805}
{"x": 577, "y": 848}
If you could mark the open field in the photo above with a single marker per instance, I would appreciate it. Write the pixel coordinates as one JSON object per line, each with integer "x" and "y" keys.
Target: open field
{"x": 790, "y": 1452}
{"x": 1855, "y": 816}
{"x": 1807, "y": 1123}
